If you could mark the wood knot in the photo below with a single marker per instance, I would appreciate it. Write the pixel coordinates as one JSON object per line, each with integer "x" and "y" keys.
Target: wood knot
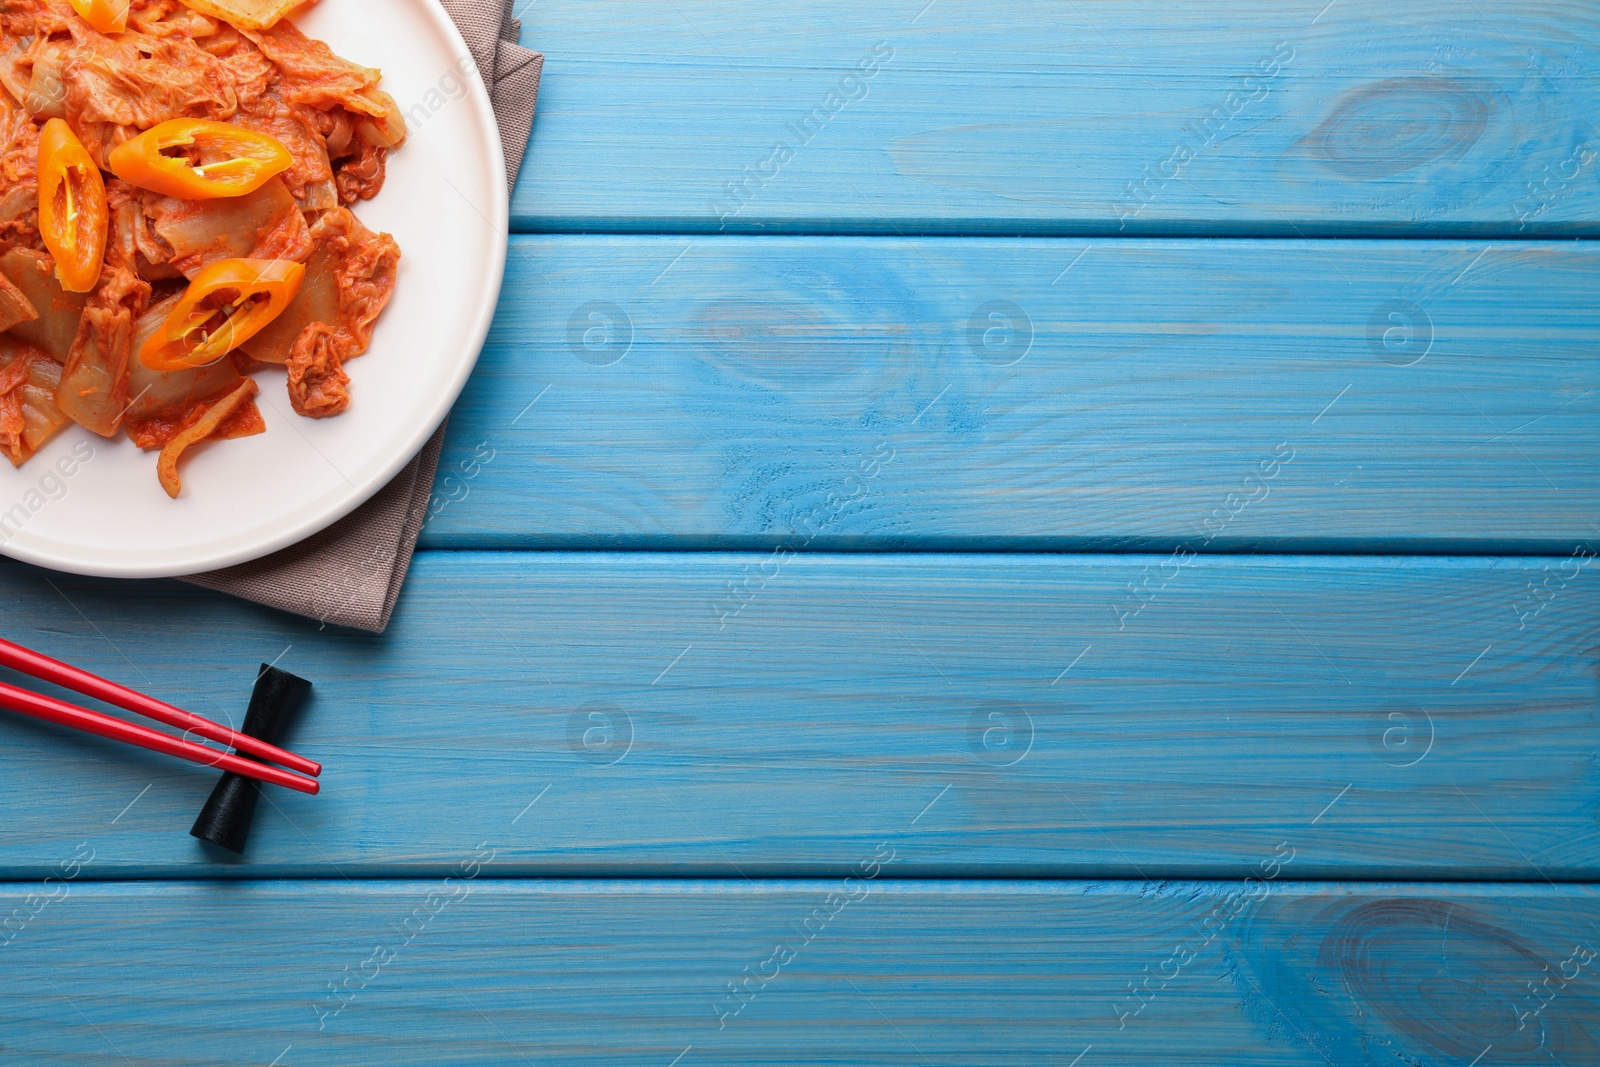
{"x": 1399, "y": 124}
{"x": 1440, "y": 975}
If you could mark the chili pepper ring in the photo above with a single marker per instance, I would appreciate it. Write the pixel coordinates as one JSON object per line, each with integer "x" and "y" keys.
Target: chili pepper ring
{"x": 213, "y": 160}
{"x": 73, "y": 217}
{"x": 226, "y": 304}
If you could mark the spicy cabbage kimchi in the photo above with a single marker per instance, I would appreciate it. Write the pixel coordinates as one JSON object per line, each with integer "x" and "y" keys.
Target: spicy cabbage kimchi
{"x": 176, "y": 180}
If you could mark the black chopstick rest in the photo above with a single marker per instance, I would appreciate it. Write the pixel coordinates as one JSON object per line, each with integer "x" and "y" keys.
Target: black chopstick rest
{"x": 226, "y": 818}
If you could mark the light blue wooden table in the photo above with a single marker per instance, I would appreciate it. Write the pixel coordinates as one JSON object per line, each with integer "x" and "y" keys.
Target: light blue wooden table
{"x": 1029, "y": 533}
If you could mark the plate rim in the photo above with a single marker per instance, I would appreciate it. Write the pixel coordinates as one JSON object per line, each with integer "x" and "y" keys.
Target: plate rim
{"x": 498, "y": 220}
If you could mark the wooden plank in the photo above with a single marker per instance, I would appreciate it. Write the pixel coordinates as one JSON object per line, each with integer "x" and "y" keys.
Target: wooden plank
{"x": 1364, "y": 117}
{"x": 1007, "y": 715}
{"x": 867, "y": 972}
{"x": 658, "y": 392}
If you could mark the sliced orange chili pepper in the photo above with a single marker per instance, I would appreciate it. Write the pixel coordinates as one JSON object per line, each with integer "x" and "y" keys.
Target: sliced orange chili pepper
{"x": 72, "y": 207}
{"x": 198, "y": 159}
{"x": 107, "y": 16}
{"x": 227, "y": 304}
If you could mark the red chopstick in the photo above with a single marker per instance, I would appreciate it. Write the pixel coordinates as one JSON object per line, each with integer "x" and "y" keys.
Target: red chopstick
{"x": 38, "y": 665}
{"x": 59, "y": 711}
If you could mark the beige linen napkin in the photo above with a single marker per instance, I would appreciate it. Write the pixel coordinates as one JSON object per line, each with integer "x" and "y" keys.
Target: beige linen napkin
{"x": 350, "y": 574}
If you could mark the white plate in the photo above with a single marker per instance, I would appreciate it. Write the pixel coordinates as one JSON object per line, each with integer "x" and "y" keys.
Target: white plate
{"x": 445, "y": 203}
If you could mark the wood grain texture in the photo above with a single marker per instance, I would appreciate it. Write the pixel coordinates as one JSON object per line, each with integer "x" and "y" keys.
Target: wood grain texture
{"x": 621, "y": 714}
{"x": 493, "y": 972}
{"x": 1369, "y": 117}
{"x": 914, "y": 720}
{"x": 643, "y": 392}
